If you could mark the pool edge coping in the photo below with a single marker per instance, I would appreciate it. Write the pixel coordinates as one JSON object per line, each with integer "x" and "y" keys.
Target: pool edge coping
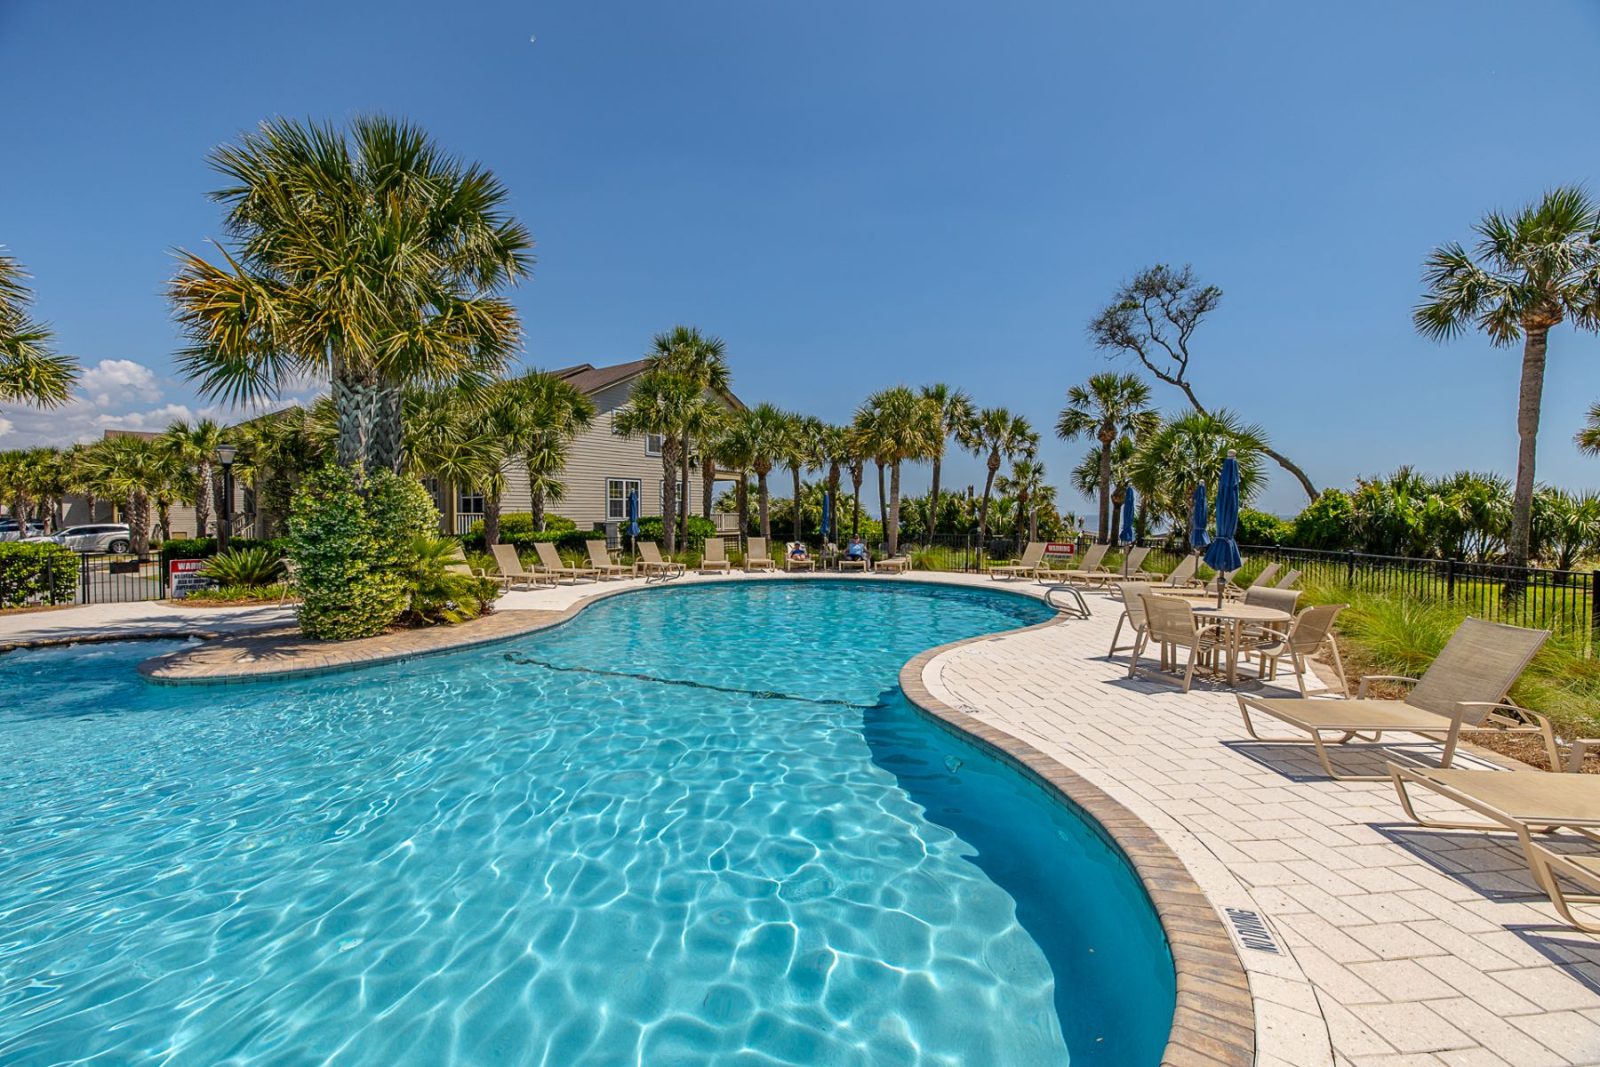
{"x": 1213, "y": 1019}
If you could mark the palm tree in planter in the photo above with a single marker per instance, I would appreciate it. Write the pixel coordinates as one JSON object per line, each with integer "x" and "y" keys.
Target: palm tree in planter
{"x": 905, "y": 428}
{"x": 30, "y": 372}
{"x": 195, "y": 444}
{"x": 662, "y": 402}
{"x": 954, "y": 412}
{"x": 994, "y": 436}
{"x": 372, "y": 259}
{"x": 1529, "y": 271}
{"x": 1109, "y": 407}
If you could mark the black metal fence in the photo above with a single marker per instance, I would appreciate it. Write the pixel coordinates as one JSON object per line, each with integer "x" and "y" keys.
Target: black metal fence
{"x": 103, "y": 578}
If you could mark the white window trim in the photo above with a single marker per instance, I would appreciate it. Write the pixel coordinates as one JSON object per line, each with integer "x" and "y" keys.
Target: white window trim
{"x": 624, "y": 482}
{"x": 659, "y": 439}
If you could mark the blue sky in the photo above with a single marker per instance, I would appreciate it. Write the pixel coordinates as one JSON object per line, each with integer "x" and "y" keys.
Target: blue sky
{"x": 857, "y": 195}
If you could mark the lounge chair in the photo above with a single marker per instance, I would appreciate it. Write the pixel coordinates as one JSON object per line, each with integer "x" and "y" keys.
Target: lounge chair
{"x": 1288, "y": 580}
{"x": 290, "y": 580}
{"x": 894, "y": 565}
{"x": 1464, "y": 689}
{"x": 1183, "y": 575}
{"x": 1524, "y": 803}
{"x": 1310, "y": 630}
{"x": 1265, "y": 578}
{"x": 714, "y": 560}
{"x": 1028, "y": 566}
{"x": 757, "y": 557}
{"x": 600, "y": 561}
{"x": 1090, "y": 570}
{"x": 1133, "y": 565}
{"x": 1132, "y": 594}
{"x": 848, "y": 564}
{"x": 790, "y": 563}
{"x": 1172, "y": 624}
{"x": 512, "y": 573}
{"x": 652, "y": 565}
{"x": 553, "y": 567}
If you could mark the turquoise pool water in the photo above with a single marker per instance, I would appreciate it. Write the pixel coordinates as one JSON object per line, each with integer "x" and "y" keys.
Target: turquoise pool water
{"x": 694, "y": 826}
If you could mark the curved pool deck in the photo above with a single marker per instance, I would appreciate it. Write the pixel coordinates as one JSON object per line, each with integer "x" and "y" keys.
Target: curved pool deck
{"x": 1213, "y": 1023}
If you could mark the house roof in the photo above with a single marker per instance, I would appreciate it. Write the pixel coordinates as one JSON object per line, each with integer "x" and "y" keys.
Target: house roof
{"x": 589, "y": 379}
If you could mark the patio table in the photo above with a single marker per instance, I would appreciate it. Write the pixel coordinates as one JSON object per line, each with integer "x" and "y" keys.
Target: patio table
{"x": 1234, "y": 617}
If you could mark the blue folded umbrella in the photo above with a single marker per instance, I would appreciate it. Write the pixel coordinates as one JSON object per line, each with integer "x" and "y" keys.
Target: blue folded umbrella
{"x": 1126, "y": 535}
{"x": 1197, "y": 520}
{"x": 1223, "y": 555}
{"x": 633, "y": 514}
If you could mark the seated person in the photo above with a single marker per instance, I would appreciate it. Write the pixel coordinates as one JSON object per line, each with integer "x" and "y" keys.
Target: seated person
{"x": 856, "y": 550}
{"x": 797, "y": 550}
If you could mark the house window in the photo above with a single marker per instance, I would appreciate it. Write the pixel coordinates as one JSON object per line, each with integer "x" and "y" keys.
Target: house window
{"x": 617, "y": 490}
{"x": 652, "y": 444}
{"x": 470, "y": 502}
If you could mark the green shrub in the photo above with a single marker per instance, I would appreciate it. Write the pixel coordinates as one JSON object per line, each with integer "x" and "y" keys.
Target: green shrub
{"x": 1328, "y": 522}
{"x": 516, "y": 528}
{"x": 437, "y": 594}
{"x": 351, "y": 539}
{"x": 205, "y": 547}
{"x": 254, "y": 566}
{"x": 1261, "y": 528}
{"x": 235, "y": 594}
{"x": 700, "y": 528}
{"x": 42, "y": 573}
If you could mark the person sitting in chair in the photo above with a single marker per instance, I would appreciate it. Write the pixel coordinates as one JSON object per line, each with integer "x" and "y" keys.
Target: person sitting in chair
{"x": 857, "y": 549}
{"x": 797, "y": 550}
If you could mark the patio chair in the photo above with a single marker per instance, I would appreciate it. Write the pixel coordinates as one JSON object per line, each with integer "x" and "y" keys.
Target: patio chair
{"x": 1265, "y": 578}
{"x": 1268, "y": 597}
{"x": 1132, "y": 594}
{"x": 1172, "y": 624}
{"x": 1183, "y": 575}
{"x": 714, "y": 559}
{"x": 1525, "y": 803}
{"x": 652, "y": 565}
{"x": 847, "y": 564}
{"x": 291, "y": 574}
{"x": 1027, "y": 566}
{"x": 1305, "y": 638}
{"x": 790, "y": 563}
{"x": 757, "y": 557}
{"x": 600, "y": 561}
{"x": 553, "y": 567}
{"x": 1464, "y": 689}
{"x": 1090, "y": 570}
{"x": 1288, "y": 580}
{"x": 1133, "y": 564}
{"x": 894, "y": 565}
{"x": 512, "y": 573}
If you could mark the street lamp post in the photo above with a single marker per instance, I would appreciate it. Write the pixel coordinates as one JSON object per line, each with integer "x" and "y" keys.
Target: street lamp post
{"x": 225, "y": 454}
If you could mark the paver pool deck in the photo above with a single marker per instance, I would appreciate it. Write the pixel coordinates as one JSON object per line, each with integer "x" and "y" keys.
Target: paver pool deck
{"x": 1396, "y": 945}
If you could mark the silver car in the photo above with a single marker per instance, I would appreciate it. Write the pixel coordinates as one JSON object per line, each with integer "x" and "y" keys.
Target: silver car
{"x": 113, "y": 537}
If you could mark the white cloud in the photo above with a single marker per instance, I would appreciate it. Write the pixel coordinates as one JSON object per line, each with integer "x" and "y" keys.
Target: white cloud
{"x": 117, "y": 381}
{"x": 6, "y": 426}
{"x": 158, "y": 419}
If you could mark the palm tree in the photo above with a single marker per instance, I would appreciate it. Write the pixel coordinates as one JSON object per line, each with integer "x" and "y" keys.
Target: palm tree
{"x": 905, "y": 426}
{"x": 1567, "y": 526}
{"x": 1529, "y": 271}
{"x": 30, "y": 373}
{"x": 554, "y": 413}
{"x": 133, "y": 471}
{"x": 766, "y": 427}
{"x": 994, "y": 436}
{"x": 1188, "y": 451}
{"x": 857, "y": 449}
{"x": 373, "y": 259}
{"x": 1026, "y": 484}
{"x": 662, "y": 402}
{"x": 196, "y": 444}
{"x": 800, "y": 452}
{"x": 1108, "y": 407}
{"x": 833, "y": 444}
{"x": 1588, "y": 438}
{"x": 446, "y": 440}
{"x": 276, "y": 451}
{"x": 1087, "y": 475}
{"x": 954, "y": 412}
{"x": 733, "y": 449}
{"x": 703, "y": 360}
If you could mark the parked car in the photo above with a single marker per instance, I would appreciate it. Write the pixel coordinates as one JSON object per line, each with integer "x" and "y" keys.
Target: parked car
{"x": 113, "y": 537}
{"x": 9, "y": 531}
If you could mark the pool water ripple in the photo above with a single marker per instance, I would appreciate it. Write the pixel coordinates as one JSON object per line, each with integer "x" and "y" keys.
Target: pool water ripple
{"x": 540, "y": 853}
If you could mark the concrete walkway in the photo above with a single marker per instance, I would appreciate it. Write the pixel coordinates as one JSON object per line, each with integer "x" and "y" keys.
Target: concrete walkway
{"x": 148, "y": 618}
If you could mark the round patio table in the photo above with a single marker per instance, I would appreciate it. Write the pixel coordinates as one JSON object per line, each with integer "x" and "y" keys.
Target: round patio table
{"x": 1235, "y": 617}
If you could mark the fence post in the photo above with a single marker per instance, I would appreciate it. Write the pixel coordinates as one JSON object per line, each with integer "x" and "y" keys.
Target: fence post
{"x": 1450, "y": 580}
{"x": 1350, "y": 568}
{"x": 1594, "y": 601}
{"x": 83, "y": 578}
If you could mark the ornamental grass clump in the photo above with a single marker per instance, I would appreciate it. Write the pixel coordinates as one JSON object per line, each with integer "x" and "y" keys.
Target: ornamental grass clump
{"x": 245, "y": 568}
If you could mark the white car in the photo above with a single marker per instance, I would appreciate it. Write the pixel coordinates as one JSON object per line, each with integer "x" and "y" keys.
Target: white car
{"x": 9, "y": 532}
{"x": 113, "y": 537}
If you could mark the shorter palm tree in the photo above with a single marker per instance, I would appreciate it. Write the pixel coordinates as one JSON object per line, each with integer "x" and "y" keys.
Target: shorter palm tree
{"x": 1109, "y": 407}
{"x": 996, "y": 435}
{"x": 954, "y": 413}
{"x": 662, "y": 402}
{"x": 195, "y": 447}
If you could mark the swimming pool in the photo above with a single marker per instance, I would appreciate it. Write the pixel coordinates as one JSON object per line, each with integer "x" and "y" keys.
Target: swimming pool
{"x": 693, "y": 825}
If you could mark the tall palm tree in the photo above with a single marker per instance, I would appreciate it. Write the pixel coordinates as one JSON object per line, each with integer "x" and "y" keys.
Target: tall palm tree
{"x": 446, "y": 440}
{"x": 1026, "y": 484}
{"x": 1188, "y": 451}
{"x": 905, "y": 426}
{"x": 833, "y": 444}
{"x": 1530, "y": 270}
{"x": 800, "y": 452}
{"x": 733, "y": 449}
{"x": 858, "y": 447}
{"x": 662, "y": 402}
{"x": 703, "y": 360}
{"x": 954, "y": 413}
{"x": 1107, "y": 407}
{"x": 30, "y": 372}
{"x": 766, "y": 427}
{"x": 133, "y": 471}
{"x": 552, "y": 412}
{"x": 373, "y": 259}
{"x": 195, "y": 444}
{"x": 994, "y": 436}
{"x": 1087, "y": 477}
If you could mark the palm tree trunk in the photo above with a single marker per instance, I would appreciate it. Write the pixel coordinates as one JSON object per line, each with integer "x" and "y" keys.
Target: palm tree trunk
{"x": 892, "y": 530}
{"x": 741, "y": 496}
{"x": 491, "y": 519}
{"x": 139, "y": 524}
{"x": 669, "y": 493}
{"x": 1529, "y": 399}
{"x": 855, "y": 514}
{"x": 536, "y": 507}
{"x": 708, "y": 484}
{"x": 202, "y": 500}
{"x": 798, "y": 526}
{"x": 683, "y": 507}
{"x": 933, "y": 500}
{"x": 368, "y": 410}
{"x": 761, "y": 502}
{"x": 833, "y": 502}
{"x": 1105, "y": 492}
{"x": 883, "y": 500}
{"x": 983, "y": 508}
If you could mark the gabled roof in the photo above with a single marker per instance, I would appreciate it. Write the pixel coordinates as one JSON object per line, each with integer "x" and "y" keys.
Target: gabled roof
{"x": 589, "y": 379}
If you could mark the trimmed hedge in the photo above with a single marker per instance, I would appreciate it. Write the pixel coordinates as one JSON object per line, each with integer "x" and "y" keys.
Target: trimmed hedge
{"x": 700, "y": 528}
{"x": 38, "y": 573}
{"x": 516, "y": 529}
{"x": 206, "y": 547}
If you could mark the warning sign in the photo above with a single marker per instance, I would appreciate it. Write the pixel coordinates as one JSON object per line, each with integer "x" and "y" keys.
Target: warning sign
{"x": 184, "y": 577}
{"x": 1060, "y": 548}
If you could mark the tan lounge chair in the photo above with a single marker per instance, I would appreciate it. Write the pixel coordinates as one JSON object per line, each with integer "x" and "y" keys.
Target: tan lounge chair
{"x": 1183, "y": 575}
{"x": 757, "y": 557}
{"x": 714, "y": 559}
{"x": 1028, "y": 566}
{"x": 1172, "y": 624}
{"x": 1525, "y": 803}
{"x": 1464, "y": 689}
{"x": 552, "y": 566}
{"x": 791, "y": 564}
{"x": 1132, "y": 594}
{"x": 600, "y": 561}
{"x": 1090, "y": 569}
{"x": 512, "y": 574}
{"x": 894, "y": 565}
{"x": 847, "y": 564}
{"x": 1265, "y": 578}
{"x": 652, "y": 565}
{"x": 1288, "y": 580}
{"x": 1133, "y": 565}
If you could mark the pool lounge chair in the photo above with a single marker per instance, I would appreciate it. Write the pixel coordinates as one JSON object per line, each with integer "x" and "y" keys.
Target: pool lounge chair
{"x": 847, "y": 564}
{"x": 714, "y": 560}
{"x": 1524, "y": 803}
{"x": 551, "y": 565}
{"x": 600, "y": 561}
{"x": 1463, "y": 690}
{"x": 1028, "y": 566}
{"x": 1288, "y": 580}
{"x": 652, "y": 565}
{"x": 1182, "y": 576}
{"x": 894, "y": 565}
{"x": 1266, "y": 577}
{"x": 1132, "y": 569}
{"x": 757, "y": 557}
{"x": 806, "y": 563}
{"x": 1090, "y": 569}
{"x": 512, "y": 574}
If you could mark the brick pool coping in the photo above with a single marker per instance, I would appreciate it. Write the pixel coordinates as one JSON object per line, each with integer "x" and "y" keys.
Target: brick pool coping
{"x": 1213, "y": 1023}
